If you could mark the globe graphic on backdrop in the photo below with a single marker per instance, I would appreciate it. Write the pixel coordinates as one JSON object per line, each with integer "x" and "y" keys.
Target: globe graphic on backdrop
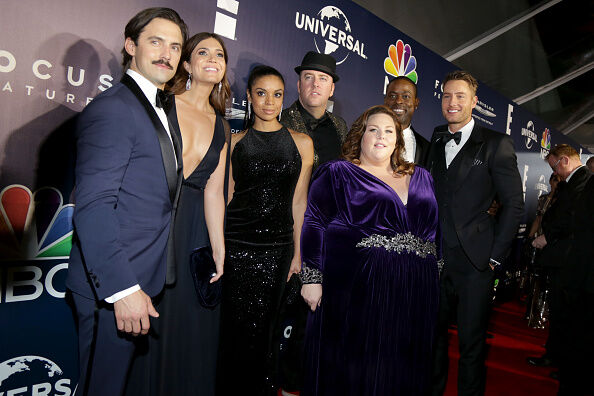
{"x": 334, "y": 17}
{"x": 23, "y": 371}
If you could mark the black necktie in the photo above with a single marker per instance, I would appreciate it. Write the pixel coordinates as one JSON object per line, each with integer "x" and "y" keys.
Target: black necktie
{"x": 447, "y": 136}
{"x": 163, "y": 100}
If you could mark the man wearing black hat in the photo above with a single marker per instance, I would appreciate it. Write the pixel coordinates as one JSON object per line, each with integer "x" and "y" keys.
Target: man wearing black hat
{"x": 317, "y": 75}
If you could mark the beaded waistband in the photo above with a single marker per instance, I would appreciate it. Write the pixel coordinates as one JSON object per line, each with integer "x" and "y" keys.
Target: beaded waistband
{"x": 400, "y": 242}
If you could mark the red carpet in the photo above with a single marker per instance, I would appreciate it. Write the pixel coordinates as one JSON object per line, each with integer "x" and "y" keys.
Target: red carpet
{"x": 508, "y": 374}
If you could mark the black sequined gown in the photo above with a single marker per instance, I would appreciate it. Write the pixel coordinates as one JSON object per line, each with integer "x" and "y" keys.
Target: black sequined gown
{"x": 259, "y": 246}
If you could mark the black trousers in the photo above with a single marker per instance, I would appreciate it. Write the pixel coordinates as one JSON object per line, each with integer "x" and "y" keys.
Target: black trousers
{"x": 576, "y": 363}
{"x": 557, "y": 316}
{"x": 466, "y": 296}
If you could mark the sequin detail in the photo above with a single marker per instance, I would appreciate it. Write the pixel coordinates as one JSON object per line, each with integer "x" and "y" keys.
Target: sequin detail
{"x": 400, "y": 242}
{"x": 259, "y": 245}
{"x": 310, "y": 275}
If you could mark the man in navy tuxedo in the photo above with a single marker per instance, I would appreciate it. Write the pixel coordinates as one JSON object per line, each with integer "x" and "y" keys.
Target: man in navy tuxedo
{"x": 470, "y": 165}
{"x": 128, "y": 172}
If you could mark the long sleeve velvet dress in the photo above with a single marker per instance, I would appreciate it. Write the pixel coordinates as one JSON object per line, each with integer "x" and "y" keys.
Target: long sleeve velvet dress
{"x": 372, "y": 334}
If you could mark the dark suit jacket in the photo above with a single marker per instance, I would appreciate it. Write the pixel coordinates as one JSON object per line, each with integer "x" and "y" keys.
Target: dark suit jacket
{"x": 291, "y": 118}
{"x": 484, "y": 168}
{"x": 567, "y": 227}
{"x": 422, "y": 149}
{"x": 124, "y": 195}
{"x": 580, "y": 271}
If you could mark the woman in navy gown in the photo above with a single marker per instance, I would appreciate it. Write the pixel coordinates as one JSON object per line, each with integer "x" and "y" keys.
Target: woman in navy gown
{"x": 183, "y": 344}
{"x": 370, "y": 267}
{"x": 271, "y": 167}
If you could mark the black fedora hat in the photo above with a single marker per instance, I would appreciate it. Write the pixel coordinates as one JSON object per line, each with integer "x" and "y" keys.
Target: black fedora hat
{"x": 320, "y": 62}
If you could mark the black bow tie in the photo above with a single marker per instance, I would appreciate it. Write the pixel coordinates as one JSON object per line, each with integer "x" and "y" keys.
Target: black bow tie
{"x": 164, "y": 100}
{"x": 447, "y": 136}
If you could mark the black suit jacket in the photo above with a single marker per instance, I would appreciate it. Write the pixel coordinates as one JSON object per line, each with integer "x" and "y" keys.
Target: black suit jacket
{"x": 568, "y": 228}
{"x": 422, "y": 149}
{"x": 484, "y": 168}
{"x": 580, "y": 268}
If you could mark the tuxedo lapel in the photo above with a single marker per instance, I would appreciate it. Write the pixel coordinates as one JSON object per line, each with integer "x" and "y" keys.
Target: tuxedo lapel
{"x": 418, "y": 148}
{"x": 467, "y": 158}
{"x": 178, "y": 146}
{"x": 440, "y": 161}
{"x": 167, "y": 151}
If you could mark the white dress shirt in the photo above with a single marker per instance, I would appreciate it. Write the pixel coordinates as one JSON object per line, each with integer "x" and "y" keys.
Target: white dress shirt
{"x": 410, "y": 144}
{"x": 150, "y": 91}
{"x": 451, "y": 148}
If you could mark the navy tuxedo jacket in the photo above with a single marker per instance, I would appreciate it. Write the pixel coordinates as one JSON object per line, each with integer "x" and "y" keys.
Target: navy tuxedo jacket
{"x": 485, "y": 168}
{"x": 124, "y": 202}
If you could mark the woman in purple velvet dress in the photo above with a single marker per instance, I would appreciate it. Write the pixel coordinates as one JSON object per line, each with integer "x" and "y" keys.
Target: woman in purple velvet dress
{"x": 370, "y": 267}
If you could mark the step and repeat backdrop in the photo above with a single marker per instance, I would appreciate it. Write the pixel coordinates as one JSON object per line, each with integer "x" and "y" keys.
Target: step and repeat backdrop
{"x": 56, "y": 56}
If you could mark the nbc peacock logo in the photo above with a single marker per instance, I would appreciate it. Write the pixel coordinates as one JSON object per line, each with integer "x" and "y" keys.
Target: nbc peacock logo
{"x": 34, "y": 225}
{"x": 545, "y": 142}
{"x": 401, "y": 62}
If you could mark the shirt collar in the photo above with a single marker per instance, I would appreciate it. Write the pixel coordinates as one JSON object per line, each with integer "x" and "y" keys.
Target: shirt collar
{"x": 407, "y": 132}
{"x": 308, "y": 118}
{"x": 466, "y": 131}
{"x": 148, "y": 88}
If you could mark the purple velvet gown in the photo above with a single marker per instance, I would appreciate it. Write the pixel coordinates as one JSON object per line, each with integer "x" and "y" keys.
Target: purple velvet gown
{"x": 372, "y": 334}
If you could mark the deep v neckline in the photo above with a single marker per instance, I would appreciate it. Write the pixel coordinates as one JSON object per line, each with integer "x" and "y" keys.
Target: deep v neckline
{"x": 387, "y": 186}
{"x": 207, "y": 151}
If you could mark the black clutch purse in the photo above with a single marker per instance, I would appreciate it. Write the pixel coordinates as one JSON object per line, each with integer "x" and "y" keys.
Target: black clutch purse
{"x": 203, "y": 268}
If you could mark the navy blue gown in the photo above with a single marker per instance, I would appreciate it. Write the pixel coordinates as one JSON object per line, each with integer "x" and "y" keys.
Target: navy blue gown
{"x": 372, "y": 334}
{"x": 180, "y": 355}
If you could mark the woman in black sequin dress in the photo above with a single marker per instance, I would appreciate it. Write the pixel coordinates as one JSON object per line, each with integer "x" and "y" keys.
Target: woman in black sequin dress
{"x": 270, "y": 171}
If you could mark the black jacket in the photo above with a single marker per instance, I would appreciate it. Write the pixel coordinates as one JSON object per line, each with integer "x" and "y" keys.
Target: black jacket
{"x": 484, "y": 168}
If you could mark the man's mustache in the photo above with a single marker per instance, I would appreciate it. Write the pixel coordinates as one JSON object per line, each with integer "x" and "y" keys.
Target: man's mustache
{"x": 163, "y": 62}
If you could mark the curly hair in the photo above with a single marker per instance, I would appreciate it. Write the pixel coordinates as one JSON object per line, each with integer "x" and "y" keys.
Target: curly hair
{"x": 351, "y": 148}
{"x": 218, "y": 97}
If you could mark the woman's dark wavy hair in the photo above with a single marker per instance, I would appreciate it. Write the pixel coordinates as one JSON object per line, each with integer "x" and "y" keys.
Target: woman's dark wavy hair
{"x": 218, "y": 98}
{"x": 139, "y": 21}
{"x": 351, "y": 148}
{"x": 256, "y": 73}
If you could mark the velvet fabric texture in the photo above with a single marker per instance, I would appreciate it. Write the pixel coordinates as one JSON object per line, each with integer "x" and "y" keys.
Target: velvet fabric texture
{"x": 203, "y": 268}
{"x": 372, "y": 334}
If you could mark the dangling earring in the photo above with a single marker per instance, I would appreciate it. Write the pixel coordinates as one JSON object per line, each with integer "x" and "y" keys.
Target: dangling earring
{"x": 249, "y": 110}
{"x": 280, "y": 112}
{"x": 189, "y": 82}
{"x": 220, "y": 85}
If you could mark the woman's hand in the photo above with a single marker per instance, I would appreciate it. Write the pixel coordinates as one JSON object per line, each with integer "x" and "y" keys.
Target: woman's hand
{"x": 312, "y": 294}
{"x": 219, "y": 259}
{"x": 295, "y": 267}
